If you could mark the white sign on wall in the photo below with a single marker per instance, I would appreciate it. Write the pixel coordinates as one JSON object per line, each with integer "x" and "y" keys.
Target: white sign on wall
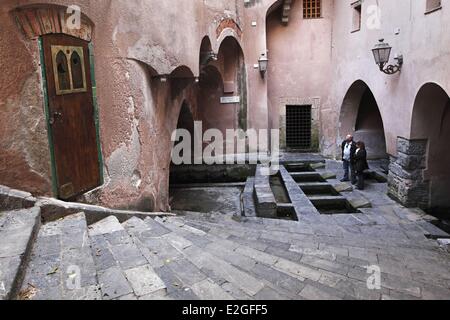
{"x": 229, "y": 100}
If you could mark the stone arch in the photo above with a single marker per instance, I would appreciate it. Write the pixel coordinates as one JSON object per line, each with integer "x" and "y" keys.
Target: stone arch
{"x": 273, "y": 7}
{"x": 180, "y": 79}
{"x": 360, "y": 116}
{"x": 225, "y": 36}
{"x": 283, "y": 9}
{"x": 185, "y": 122}
{"x": 431, "y": 129}
{"x": 227, "y": 27}
{"x": 182, "y": 72}
{"x": 228, "y": 23}
{"x": 210, "y": 90}
{"x": 231, "y": 58}
{"x": 40, "y": 19}
{"x": 206, "y": 54}
{"x": 186, "y": 118}
{"x": 224, "y": 77}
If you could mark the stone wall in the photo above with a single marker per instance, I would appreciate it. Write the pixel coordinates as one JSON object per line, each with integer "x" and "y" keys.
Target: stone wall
{"x": 406, "y": 182}
{"x": 134, "y": 43}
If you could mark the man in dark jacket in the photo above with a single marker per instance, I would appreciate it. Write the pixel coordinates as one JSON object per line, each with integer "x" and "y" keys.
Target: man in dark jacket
{"x": 360, "y": 163}
{"x": 348, "y": 155}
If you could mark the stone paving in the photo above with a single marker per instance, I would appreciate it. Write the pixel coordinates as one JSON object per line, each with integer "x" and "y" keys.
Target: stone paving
{"x": 225, "y": 256}
{"x": 17, "y": 230}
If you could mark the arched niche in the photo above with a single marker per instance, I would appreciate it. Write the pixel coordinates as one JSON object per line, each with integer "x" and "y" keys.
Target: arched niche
{"x": 431, "y": 122}
{"x": 361, "y": 117}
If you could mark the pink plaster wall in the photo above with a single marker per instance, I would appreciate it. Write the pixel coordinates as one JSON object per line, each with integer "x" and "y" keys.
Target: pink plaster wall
{"x": 135, "y": 40}
{"x": 300, "y": 58}
{"x": 24, "y": 156}
{"x": 424, "y": 42}
{"x": 132, "y": 41}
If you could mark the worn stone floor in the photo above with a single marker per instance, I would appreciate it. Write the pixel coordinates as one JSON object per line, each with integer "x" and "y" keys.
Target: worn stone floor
{"x": 221, "y": 255}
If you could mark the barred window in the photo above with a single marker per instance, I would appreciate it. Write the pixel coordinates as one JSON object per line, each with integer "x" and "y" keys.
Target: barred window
{"x": 312, "y": 9}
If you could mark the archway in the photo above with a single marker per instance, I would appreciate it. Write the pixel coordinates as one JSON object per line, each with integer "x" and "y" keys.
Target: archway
{"x": 222, "y": 87}
{"x": 206, "y": 53}
{"x": 211, "y": 112}
{"x": 431, "y": 122}
{"x": 361, "y": 117}
{"x": 186, "y": 122}
{"x": 180, "y": 78}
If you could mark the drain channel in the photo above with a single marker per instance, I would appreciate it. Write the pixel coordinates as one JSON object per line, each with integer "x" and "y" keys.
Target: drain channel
{"x": 325, "y": 198}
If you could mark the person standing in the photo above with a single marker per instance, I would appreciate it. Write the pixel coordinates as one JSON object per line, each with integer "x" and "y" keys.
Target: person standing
{"x": 360, "y": 160}
{"x": 348, "y": 154}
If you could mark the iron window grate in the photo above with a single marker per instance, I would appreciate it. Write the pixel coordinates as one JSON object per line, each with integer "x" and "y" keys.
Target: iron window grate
{"x": 312, "y": 9}
{"x": 298, "y": 127}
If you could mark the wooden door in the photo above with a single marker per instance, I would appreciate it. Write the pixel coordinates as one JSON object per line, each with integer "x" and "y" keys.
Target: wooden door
{"x": 71, "y": 115}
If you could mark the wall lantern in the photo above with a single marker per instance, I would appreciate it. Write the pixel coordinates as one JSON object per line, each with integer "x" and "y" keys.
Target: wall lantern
{"x": 263, "y": 63}
{"x": 382, "y": 52}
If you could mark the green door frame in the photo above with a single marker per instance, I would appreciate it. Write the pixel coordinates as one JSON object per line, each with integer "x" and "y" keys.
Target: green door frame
{"x": 47, "y": 116}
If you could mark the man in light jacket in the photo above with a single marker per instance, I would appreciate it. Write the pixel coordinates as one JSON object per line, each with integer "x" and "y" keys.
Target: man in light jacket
{"x": 348, "y": 154}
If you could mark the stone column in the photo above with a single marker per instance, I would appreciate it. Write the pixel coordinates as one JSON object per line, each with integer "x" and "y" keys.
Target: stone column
{"x": 406, "y": 174}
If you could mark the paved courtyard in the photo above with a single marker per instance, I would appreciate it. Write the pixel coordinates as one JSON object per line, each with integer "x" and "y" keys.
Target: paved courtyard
{"x": 384, "y": 251}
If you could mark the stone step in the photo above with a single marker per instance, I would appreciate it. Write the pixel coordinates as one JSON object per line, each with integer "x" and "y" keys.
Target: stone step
{"x": 313, "y": 185}
{"x": 285, "y": 278}
{"x": 61, "y": 265}
{"x": 338, "y": 264}
{"x": 267, "y": 246}
{"x": 222, "y": 249}
{"x": 334, "y": 265}
{"x": 160, "y": 249}
{"x": 124, "y": 272}
{"x": 298, "y": 167}
{"x": 18, "y": 230}
{"x": 321, "y": 226}
{"x": 318, "y": 199}
{"x": 179, "y": 269}
{"x": 379, "y": 176}
{"x": 106, "y": 226}
{"x": 11, "y": 199}
{"x": 431, "y": 231}
{"x": 303, "y": 177}
{"x": 252, "y": 224}
{"x": 328, "y": 175}
{"x": 257, "y": 264}
{"x": 52, "y": 209}
{"x": 321, "y": 231}
{"x": 355, "y": 219}
{"x": 223, "y": 272}
{"x": 248, "y": 198}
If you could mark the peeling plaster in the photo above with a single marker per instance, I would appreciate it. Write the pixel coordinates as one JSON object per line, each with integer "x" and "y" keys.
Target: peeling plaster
{"x": 154, "y": 55}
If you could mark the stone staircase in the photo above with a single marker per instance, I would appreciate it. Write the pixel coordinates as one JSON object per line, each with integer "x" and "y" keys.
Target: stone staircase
{"x": 55, "y": 250}
{"x": 18, "y": 229}
{"x": 216, "y": 257}
{"x": 61, "y": 265}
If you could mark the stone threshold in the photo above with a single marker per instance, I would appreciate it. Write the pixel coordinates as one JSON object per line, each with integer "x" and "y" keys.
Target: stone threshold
{"x": 53, "y": 209}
